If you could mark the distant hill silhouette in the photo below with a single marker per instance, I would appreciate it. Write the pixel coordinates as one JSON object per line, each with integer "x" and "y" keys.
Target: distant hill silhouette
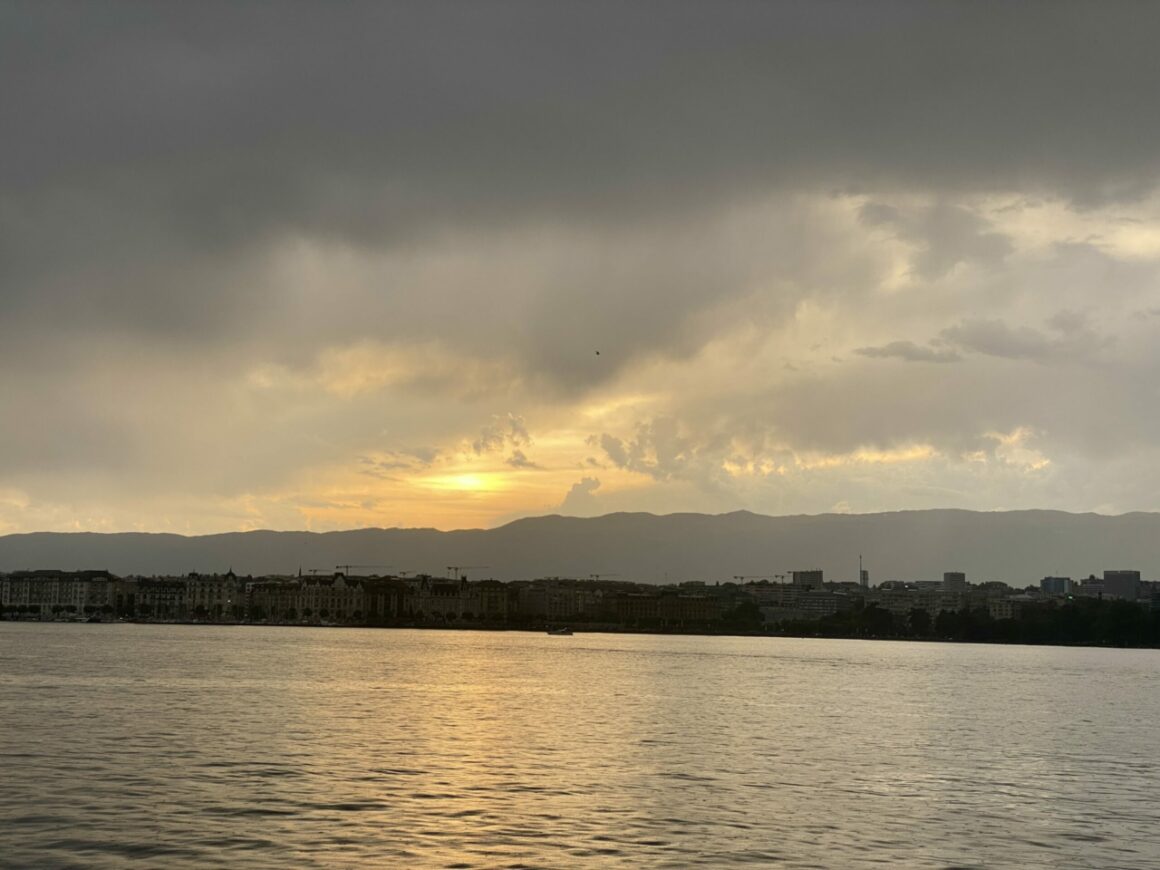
{"x": 1019, "y": 547}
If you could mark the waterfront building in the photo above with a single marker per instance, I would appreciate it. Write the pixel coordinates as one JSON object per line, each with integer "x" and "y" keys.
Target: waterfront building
{"x": 897, "y": 599}
{"x": 1150, "y": 594}
{"x": 336, "y": 598}
{"x": 384, "y": 599}
{"x": 810, "y": 579}
{"x": 429, "y": 600}
{"x": 1122, "y": 584}
{"x": 492, "y": 600}
{"x": 663, "y": 609}
{"x": 438, "y": 599}
{"x": 781, "y": 602}
{"x": 816, "y": 604}
{"x": 162, "y": 598}
{"x": 681, "y": 610}
{"x": 954, "y": 581}
{"x": 214, "y": 596}
{"x": 277, "y": 600}
{"x": 48, "y": 593}
{"x": 1056, "y": 585}
{"x": 932, "y": 599}
{"x": 1090, "y": 587}
{"x": 1006, "y": 608}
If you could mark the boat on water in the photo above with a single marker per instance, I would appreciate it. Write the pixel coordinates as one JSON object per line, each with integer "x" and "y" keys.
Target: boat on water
{"x": 560, "y": 632}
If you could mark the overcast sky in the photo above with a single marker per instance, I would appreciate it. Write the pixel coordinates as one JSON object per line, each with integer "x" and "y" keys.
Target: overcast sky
{"x": 315, "y": 265}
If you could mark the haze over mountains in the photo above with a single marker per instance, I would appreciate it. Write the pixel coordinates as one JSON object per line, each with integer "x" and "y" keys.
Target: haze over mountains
{"x": 1019, "y": 547}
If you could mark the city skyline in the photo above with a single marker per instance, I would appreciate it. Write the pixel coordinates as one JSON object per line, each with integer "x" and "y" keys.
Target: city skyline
{"x": 1119, "y": 609}
{"x": 442, "y": 266}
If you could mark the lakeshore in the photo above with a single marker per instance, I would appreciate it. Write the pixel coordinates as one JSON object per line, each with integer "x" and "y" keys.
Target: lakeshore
{"x": 1118, "y": 610}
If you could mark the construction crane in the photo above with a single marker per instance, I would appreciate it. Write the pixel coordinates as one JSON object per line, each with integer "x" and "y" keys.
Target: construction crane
{"x": 346, "y": 568}
{"x": 750, "y": 577}
{"x": 459, "y": 572}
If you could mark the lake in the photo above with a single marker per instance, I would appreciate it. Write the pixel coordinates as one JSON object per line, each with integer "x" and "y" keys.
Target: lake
{"x": 201, "y": 746}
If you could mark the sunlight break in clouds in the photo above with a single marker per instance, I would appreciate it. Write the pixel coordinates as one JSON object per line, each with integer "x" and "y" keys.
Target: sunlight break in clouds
{"x": 317, "y": 268}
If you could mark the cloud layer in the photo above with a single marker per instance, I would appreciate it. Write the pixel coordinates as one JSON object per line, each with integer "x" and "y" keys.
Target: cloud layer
{"x": 447, "y": 265}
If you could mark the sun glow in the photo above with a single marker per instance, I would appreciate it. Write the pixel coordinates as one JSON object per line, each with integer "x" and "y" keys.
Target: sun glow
{"x": 868, "y": 456}
{"x": 485, "y": 482}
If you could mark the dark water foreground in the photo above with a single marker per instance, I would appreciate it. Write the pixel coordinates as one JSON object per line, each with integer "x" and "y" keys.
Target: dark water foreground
{"x": 171, "y": 746}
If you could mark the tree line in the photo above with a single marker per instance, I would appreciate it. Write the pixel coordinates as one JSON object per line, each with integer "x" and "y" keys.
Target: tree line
{"x": 1078, "y": 622}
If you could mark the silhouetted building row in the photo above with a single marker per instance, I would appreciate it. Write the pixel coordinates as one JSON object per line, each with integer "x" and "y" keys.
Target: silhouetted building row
{"x": 340, "y": 599}
{"x": 425, "y": 600}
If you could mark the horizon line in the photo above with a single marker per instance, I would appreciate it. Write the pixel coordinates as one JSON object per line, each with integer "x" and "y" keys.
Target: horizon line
{"x": 555, "y": 516}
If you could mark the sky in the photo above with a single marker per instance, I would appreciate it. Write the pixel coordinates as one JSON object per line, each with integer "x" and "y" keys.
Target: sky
{"x": 325, "y": 266}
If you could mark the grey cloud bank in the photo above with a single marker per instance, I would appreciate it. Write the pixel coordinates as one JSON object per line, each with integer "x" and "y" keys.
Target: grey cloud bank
{"x": 239, "y": 241}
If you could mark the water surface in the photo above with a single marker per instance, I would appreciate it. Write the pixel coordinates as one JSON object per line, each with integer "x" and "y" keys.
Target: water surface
{"x": 198, "y": 746}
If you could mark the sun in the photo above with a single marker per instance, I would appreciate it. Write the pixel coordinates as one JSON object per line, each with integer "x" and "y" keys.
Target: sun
{"x": 466, "y": 482}
{"x": 470, "y": 481}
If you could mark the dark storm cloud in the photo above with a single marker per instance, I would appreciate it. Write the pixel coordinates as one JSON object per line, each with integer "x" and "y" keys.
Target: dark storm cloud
{"x": 1069, "y": 337}
{"x": 146, "y": 138}
{"x": 1073, "y": 341}
{"x": 948, "y": 235}
{"x": 1083, "y": 411}
{"x": 282, "y": 107}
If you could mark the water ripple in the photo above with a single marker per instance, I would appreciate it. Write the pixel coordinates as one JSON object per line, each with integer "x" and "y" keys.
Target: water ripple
{"x": 183, "y": 746}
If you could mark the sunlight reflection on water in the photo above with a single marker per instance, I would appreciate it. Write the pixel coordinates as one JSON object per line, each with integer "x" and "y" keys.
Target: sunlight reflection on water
{"x": 273, "y": 747}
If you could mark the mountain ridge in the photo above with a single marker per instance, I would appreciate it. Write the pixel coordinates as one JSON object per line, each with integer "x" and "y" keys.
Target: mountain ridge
{"x": 1018, "y": 547}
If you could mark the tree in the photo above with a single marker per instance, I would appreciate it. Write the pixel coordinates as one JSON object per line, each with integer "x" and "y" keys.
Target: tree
{"x": 745, "y": 616}
{"x": 920, "y": 622}
{"x": 875, "y": 621}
